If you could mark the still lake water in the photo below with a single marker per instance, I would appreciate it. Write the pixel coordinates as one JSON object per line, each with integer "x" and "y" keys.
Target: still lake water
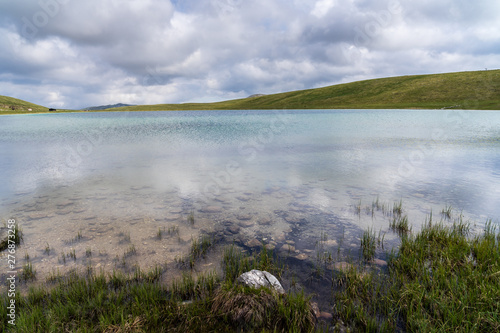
{"x": 108, "y": 182}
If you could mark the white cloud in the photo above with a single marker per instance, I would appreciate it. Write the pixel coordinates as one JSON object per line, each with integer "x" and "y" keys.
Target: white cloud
{"x": 322, "y": 7}
{"x": 153, "y": 51}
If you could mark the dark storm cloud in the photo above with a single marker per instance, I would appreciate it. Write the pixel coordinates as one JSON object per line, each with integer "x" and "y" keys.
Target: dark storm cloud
{"x": 70, "y": 53}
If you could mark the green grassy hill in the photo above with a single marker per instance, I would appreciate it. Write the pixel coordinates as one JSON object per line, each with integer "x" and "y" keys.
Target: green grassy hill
{"x": 478, "y": 90}
{"x": 10, "y": 105}
{"x": 465, "y": 90}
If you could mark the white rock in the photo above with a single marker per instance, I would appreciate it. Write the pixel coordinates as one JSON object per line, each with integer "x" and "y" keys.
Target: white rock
{"x": 257, "y": 279}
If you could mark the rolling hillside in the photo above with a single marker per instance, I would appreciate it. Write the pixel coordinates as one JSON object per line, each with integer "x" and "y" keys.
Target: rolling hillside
{"x": 478, "y": 90}
{"x": 10, "y": 105}
{"x": 464, "y": 90}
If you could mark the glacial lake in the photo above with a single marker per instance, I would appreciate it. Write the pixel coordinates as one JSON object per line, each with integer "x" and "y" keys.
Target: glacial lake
{"x": 101, "y": 184}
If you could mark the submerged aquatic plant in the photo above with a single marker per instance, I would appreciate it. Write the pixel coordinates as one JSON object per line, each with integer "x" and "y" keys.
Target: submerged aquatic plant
{"x": 368, "y": 244}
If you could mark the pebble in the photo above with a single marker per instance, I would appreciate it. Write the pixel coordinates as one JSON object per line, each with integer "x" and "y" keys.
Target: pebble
{"x": 302, "y": 256}
{"x": 246, "y": 224}
{"x": 287, "y": 248}
{"x": 330, "y": 242}
{"x": 341, "y": 266}
{"x": 264, "y": 221}
{"x": 253, "y": 243}
{"x": 37, "y": 216}
{"x": 234, "y": 229}
{"x": 270, "y": 246}
{"x": 64, "y": 204}
{"x": 172, "y": 217}
{"x": 380, "y": 262}
{"x": 63, "y": 212}
{"x": 212, "y": 209}
{"x": 325, "y": 315}
{"x": 244, "y": 217}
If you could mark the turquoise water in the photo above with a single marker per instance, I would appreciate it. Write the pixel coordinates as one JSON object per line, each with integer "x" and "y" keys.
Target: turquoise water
{"x": 274, "y": 175}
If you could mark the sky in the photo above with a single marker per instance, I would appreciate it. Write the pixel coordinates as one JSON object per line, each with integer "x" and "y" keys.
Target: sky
{"x": 74, "y": 54}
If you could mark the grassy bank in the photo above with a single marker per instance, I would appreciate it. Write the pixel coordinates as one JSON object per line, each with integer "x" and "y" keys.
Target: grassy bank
{"x": 208, "y": 302}
{"x": 441, "y": 279}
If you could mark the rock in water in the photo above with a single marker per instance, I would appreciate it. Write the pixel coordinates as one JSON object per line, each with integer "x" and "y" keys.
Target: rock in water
{"x": 257, "y": 279}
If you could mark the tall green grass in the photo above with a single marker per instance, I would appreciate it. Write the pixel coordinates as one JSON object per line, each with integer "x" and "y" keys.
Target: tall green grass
{"x": 140, "y": 302}
{"x": 440, "y": 280}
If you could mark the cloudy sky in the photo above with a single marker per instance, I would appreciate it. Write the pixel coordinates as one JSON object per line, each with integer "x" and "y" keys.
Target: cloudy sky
{"x": 73, "y": 54}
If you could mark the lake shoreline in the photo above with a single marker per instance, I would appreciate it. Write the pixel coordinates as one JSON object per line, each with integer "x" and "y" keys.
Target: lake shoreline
{"x": 362, "y": 298}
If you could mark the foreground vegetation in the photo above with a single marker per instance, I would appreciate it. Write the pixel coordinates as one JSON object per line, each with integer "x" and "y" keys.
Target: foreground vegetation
{"x": 98, "y": 302}
{"x": 441, "y": 279}
{"x": 464, "y": 90}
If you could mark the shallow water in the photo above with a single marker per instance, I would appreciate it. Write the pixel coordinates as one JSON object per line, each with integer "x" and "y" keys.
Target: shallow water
{"x": 102, "y": 184}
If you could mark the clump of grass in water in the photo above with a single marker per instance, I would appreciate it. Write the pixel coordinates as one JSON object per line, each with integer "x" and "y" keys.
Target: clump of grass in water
{"x": 199, "y": 248}
{"x": 28, "y": 273}
{"x": 131, "y": 251}
{"x": 446, "y": 212}
{"x": 400, "y": 224}
{"x": 125, "y": 237}
{"x": 47, "y": 249}
{"x": 18, "y": 237}
{"x": 397, "y": 208}
{"x": 368, "y": 244}
{"x": 191, "y": 218}
{"x": 72, "y": 254}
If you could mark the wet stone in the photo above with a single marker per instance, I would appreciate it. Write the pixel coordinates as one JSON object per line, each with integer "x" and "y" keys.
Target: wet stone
{"x": 64, "y": 204}
{"x": 234, "y": 229}
{"x": 280, "y": 238}
{"x": 302, "y": 256}
{"x": 172, "y": 217}
{"x": 244, "y": 217}
{"x": 246, "y": 224}
{"x": 330, "y": 242}
{"x": 242, "y": 198}
{"x": 257, "y": 279}
{"x": 270, "y": 246}
{"x": 63, "y": 212}
{"x": 253, "y": 243}
{"x": 341, "y": 266}
{"x": 264, "y": 221}
{"x": 37, "y": 216}
{"x": 287, "y": 248}
{"x": 380, "y": 262}
{"x": 211, "y": 209}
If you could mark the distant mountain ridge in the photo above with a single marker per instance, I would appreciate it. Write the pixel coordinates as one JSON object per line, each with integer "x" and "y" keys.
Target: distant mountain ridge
{"x": 104, "y": 107}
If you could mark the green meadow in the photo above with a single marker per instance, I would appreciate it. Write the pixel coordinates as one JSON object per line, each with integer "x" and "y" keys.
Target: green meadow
{"x": 479, "y": 90}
